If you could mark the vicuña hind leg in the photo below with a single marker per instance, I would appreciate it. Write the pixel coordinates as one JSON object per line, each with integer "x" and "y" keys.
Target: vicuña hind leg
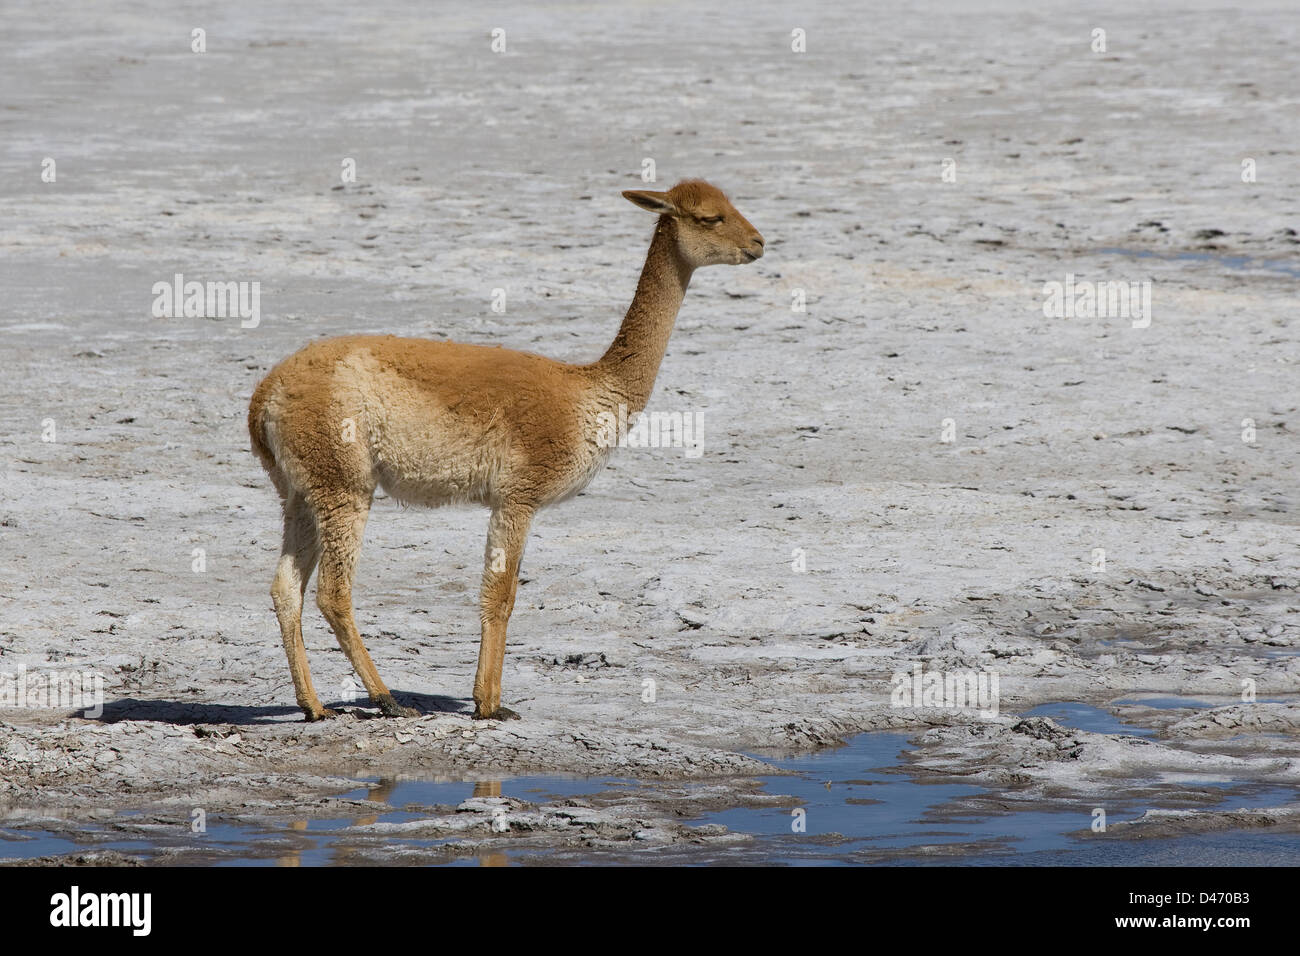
{"x": 298, "y": 556}
{"x": 341, "y": 528}
{"x": 507, "y": 531}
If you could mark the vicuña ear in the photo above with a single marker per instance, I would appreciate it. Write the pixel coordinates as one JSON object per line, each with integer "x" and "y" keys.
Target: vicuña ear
{"x": 651, "y": 201}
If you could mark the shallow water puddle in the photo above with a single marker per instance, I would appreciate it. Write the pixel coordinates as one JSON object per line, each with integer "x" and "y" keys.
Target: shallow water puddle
{"x": 309, "y": 842}
{"x": 858, "y": 806}
{"x": 1173, "y": 702}
{"x": 855, "y": 803}
{"x": 1165, "y": 703}
{"x": 1242, "y": 263}
{"x": 1086, "y": 717}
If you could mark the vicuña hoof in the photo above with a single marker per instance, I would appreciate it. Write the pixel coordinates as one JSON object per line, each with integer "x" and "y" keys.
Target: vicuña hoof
{"x": 391, "y": 708}
{"x": 501, "y": 713}
{"x": 323, "y": 714}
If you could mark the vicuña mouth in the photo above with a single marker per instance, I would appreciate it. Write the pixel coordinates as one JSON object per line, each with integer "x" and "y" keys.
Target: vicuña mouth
{"x": 751, "y": 256}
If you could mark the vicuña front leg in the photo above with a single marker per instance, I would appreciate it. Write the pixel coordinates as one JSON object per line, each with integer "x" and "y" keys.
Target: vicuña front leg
{"x": 507, "y": 531}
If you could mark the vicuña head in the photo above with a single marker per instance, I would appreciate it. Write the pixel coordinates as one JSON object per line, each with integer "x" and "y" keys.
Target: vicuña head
{"x": 439, "y": 422}
{"x": 708, "y": 229}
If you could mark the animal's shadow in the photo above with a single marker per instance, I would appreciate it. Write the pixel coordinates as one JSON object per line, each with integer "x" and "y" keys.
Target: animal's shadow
{"x": 202, "y": 712}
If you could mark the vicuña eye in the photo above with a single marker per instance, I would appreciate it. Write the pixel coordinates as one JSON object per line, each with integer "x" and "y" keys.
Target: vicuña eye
{"x": 711, "y": 220}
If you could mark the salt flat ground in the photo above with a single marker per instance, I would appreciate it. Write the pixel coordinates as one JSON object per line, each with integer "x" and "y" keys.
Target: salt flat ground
{"x": 1169, "y": 446}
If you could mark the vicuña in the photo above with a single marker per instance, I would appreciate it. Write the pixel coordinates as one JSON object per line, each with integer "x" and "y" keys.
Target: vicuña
{"x": 436, "y": 423}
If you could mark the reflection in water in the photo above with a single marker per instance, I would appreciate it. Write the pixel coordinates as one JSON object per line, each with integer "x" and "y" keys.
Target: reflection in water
{"x": 490, "y": 788}
{"x": 342, "y": 855}
{"x": 381, "y": 794}
{"x": 293, "y": 858}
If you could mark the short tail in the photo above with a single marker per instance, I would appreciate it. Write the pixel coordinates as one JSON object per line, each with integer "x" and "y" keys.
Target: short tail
{"x": 257, "y": 425}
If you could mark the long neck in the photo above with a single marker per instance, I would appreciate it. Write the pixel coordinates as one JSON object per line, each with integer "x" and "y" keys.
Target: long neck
{"x": 632, "y": 361}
